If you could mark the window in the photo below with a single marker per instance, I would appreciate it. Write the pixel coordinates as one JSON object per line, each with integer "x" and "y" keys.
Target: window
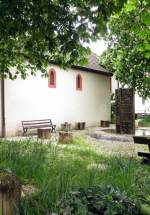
{"x": 79, "y": 82}
{"x": 52, "y": 78}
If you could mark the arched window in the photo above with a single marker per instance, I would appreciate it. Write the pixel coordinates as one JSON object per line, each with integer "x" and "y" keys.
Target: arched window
{"x": 52, "y": 78}
{"x": 79, "y": 82}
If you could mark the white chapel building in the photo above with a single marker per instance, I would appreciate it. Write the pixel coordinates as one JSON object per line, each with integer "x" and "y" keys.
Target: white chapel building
{"x": 79, "y": 94}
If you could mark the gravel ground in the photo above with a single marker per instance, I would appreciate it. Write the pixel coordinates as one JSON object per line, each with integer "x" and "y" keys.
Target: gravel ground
{"x": 113, "y": 147}
{"x": 106, "y": 142}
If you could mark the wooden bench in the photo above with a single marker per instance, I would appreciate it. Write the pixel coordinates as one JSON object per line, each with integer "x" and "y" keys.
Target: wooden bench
{"x": 35, "y": 124}
{"x": 143, "y": 140}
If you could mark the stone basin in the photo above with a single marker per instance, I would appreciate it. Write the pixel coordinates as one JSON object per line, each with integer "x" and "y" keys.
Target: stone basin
{"x": 110, "y": 134}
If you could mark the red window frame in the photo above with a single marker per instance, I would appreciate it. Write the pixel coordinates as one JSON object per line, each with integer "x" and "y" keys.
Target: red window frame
{"x": 52, "y": 73}
{"x": 79, "y": 84}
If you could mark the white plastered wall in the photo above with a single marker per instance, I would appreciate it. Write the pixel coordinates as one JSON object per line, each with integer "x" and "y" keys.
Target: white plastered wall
{"x": 32, "y": 99}
{"x": 142, "y": 106}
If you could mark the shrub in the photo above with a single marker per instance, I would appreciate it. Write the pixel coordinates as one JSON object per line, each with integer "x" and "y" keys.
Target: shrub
{"x": 145, "y": 122}
{"x": 98, "y": 200}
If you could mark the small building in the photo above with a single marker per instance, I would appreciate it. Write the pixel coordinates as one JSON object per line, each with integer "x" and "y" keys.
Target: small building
{"x": 78, "y": 94}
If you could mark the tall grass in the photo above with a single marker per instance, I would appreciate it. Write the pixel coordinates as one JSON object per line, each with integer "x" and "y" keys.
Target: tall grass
{"x": 57, "y": 170}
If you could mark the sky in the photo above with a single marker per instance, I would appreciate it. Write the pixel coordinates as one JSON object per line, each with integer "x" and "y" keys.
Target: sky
{"x": 98, "y": 47}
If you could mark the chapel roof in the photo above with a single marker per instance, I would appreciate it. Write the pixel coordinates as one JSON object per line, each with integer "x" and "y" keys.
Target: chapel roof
{"x": 94, "y": 66}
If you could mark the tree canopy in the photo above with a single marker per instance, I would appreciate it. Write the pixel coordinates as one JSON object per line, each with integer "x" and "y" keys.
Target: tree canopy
{"x": 128, "y": 53}
{"x": 34, "y": 32}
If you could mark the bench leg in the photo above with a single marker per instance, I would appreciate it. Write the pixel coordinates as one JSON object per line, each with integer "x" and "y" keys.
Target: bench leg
{"x": 53, "y": 129}
{"x": 144, "y": 154}
{"x": 24, "y": 132}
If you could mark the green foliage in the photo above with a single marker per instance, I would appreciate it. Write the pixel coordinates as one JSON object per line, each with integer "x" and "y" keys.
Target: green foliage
{"x": 141, "y": 24}
{"x": 145, "y": 121}
{"x": 145, "y": 206}
{"x": 33, "y": 33}
{"x": 56, "y": 171}
{"x": 145, "y": 209}
{"x": 129, "y": 47}
{"x": 104, "y": 200}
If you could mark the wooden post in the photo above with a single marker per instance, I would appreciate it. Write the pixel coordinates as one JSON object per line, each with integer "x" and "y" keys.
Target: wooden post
{"x": 44, "y": 133}
{"x": 10, "y": 194}
{"x": 65, "y": 137}
{"x": 66, "y": 126}
{"x": 80, "y": 125}
{"x": 104, "y": 123}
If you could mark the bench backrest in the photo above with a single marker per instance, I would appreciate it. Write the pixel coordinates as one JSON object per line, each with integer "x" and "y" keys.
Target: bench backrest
{"x": 37, "y": 123}
{"x": 141, "y": 139}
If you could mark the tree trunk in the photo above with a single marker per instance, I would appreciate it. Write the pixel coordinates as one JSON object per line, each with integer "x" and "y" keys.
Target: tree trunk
{"x": 65, "y": 137}
{"x": 44, "y": 133}
{"x": 10, "y": 194}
